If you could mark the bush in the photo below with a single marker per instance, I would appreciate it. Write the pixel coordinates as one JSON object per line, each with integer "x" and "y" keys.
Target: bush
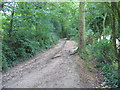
{"x": 24, "y": 45}
{"x": 110, "y": 73}
{"x": 102, "y": 51}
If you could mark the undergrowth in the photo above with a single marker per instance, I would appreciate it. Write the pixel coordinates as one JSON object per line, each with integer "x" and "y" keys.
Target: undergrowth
{"x": 23, "y": 47}
{"x": 102, "y": 52}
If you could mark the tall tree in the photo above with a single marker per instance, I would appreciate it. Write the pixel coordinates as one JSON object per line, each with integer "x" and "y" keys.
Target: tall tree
{"x": 82, "y": 27}
{"x": 12, "y": 18}
{"x": 114, "y": 6}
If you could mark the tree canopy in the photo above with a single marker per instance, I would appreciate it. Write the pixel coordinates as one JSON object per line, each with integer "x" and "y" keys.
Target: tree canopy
{"x": 30, "y": 27}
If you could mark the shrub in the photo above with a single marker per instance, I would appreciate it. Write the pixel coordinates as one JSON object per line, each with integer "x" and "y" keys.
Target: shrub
{"x": 102, "y": 51}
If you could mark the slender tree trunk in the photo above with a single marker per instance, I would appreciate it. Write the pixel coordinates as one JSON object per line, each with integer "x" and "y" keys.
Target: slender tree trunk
{"x": 119, "y": 68}
{"x": 82, "y": 27}
{"x": 1, "y": 5}
{"x": 36, "y": 27}
{"x": 114, "y": 35}
{"x": 117, "y": 54}
{"x": 119, "y": 24}
{"x": 11, "y": 23}
{"x": 104, "y": 20}
{"x": 119, "y": 49}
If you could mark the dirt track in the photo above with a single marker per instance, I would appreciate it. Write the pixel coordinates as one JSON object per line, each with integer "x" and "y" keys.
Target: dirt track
{"x": 53, "y": 68}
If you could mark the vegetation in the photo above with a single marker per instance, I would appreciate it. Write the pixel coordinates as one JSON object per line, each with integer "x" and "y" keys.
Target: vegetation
{"x": 102, "y": 39}
{"x": 29, "y": 27}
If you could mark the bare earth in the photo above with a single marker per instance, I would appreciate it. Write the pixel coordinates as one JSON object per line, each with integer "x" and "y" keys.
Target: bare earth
{"x": 57, "y": 67}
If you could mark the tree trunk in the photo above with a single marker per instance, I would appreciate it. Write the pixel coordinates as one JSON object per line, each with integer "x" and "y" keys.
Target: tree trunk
{"x": 82, "y": 27}
{"x": 114, "y": 35}
{"x": 104, "y": 20}
{"x": 119, "y": 24}
{"x": 117, "y": 54}
{"x": 119, "y": 68}
{"x": 11, "y": 23}
{"x": 119, "y": 47}
{"x": 1, "y": 5}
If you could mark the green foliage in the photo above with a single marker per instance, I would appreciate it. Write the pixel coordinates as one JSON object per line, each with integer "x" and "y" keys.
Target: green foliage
{"x": 35, "y": 26}
{"x": 110, "y": 73}
{"x": 102, "y": 51}
{"x": 98, "y": 46}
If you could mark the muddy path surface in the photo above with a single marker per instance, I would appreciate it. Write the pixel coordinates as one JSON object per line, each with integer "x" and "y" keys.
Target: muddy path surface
{"x": 54, "y": 68}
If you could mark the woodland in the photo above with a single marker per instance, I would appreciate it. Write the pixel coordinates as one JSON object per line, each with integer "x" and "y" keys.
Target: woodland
{"x": 31, "y": 27}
